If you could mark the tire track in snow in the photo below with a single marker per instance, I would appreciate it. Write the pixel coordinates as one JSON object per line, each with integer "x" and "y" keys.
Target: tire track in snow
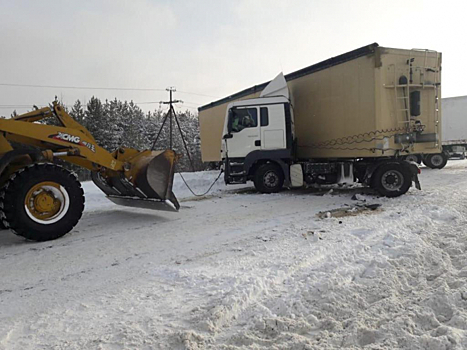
{"x": 417, "y": 296}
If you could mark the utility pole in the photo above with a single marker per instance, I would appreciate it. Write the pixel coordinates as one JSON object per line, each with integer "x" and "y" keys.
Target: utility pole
{"x": 171, "y": 115}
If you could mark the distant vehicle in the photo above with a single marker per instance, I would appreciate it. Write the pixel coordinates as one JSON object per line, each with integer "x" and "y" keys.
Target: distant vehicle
{"x": 454, "y": 134}
{"x": 351, "y": 118}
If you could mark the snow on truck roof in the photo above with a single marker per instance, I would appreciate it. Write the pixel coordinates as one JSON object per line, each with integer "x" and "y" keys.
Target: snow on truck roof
{"x": 333, "y": 61}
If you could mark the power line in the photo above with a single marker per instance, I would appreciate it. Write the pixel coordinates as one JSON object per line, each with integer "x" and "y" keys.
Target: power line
{"x": 154, "y": 102}
{"x": 79, "y": 87}
{"x": 98, "y": 88}
{"x": 196, "y": 94}
{"x": 193, "y": 103}
{"x": 25, "y": 106}
{"x": 181, "y": 107}
{"x": 32, "y": 105}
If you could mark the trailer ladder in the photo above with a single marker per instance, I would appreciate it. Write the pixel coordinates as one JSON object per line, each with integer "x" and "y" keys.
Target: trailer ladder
{"x": 405, "y": 97}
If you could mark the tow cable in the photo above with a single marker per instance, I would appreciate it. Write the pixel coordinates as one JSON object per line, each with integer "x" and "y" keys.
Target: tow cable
{"x": 171, "y": 113}
{"x": 205, "y": 193}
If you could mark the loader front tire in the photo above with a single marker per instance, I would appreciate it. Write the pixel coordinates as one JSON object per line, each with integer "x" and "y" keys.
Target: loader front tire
{"x": 42, "y": 202}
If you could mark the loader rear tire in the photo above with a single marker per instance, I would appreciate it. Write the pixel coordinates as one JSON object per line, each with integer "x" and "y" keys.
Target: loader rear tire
{"x": 42, "y": 202}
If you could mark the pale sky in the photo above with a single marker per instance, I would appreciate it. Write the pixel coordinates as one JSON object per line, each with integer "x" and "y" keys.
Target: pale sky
{"x": 212, "y": 48}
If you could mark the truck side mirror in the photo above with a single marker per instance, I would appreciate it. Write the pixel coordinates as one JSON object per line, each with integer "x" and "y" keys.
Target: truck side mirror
{"x": 229, "y": 121}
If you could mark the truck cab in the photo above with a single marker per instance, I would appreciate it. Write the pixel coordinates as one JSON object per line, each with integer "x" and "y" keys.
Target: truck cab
{"x": 257, "y": 124}
{"x": 256, "y": 132}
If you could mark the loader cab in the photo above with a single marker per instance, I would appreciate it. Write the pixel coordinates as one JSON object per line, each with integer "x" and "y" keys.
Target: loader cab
{"x": 257, "y": 125}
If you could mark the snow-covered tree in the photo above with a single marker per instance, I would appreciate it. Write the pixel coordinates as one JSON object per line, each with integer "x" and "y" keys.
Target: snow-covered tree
{"x": 102, "y": 120}
{"x": 77, "y": 112}
{"x": 190, "y": 130}
{"x": 117, "y": 124}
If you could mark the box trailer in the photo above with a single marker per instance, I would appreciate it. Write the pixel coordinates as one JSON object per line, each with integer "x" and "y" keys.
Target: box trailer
{"x": 454, "y": 134}
{"x": 454, "y": 138}
{"x": 349, "y": 118}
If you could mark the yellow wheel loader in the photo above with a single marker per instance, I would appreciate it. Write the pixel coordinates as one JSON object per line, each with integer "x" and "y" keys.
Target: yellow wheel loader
{"x": 40, "y": 200}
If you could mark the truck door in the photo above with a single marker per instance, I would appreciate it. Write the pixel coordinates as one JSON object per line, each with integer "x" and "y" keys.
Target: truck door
{"x": 245, "y": 132}
{"x": 273, "y": 129}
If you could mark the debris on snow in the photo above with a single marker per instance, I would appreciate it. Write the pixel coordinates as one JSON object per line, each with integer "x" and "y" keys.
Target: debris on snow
{"x": 348, "y": 211}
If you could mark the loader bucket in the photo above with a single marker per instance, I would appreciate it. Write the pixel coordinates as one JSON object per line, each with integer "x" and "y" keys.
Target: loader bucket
{"x": 148, "y": 183}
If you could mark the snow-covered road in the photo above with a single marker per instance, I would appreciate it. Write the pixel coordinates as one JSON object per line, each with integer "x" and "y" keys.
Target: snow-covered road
{"x": 243, "y": 270}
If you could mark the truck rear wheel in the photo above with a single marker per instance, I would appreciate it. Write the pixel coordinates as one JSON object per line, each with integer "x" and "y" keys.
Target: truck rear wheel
{"x": 269, "y": 178}
{"x": 436, "y": 161}
{"x": 42, "y": 202}
{"x": 392, "y": 180}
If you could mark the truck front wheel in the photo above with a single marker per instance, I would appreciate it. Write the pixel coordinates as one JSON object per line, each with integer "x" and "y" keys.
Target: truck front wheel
{"x": 269, "y": 178}
{"x": 436, "y": 161}
{"x": 392, "y": 180}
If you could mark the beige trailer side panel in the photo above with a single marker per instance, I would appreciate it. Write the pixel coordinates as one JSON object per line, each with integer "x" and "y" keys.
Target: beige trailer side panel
{"x": 332, "y": 104}
{"x": 352, "y": 109}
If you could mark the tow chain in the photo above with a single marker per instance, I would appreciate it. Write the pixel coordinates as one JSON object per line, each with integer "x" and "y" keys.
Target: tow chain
{"x": 205, "y": 193}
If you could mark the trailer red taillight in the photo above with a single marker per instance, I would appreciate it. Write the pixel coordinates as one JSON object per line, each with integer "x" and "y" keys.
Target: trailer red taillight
{"x": 419, "y": 171}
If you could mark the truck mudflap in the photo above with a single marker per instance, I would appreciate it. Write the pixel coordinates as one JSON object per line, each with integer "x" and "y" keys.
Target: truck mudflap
{"x": 414, "y": 170}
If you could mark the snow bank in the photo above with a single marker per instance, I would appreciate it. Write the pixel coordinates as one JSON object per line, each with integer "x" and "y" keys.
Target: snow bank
{"x": 241, "y": 270}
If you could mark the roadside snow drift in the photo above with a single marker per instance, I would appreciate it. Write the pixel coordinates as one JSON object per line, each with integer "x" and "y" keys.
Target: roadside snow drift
{"x": 241, "y": 270}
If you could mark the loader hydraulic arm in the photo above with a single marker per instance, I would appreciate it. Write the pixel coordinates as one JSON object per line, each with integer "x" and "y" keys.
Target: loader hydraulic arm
{"x": 55, "y": 110}
{"x": 70, "y": 141}
{"x": 35, "y": 115}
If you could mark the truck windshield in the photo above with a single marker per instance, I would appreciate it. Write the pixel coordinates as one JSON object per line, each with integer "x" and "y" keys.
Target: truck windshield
{"x": 244, "y": 118}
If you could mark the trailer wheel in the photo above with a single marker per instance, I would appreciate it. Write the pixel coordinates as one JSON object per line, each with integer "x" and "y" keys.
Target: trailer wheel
{"x": 392, "y": 180}
{"x": 436, "y": 161}
{"x": 42, "y": 202}
{"x": 417, "y": 158}
{"x": 269, "y": 178}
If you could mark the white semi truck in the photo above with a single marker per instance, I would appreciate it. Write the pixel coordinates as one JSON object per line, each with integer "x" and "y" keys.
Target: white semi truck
{"x": 454, "y": 134}
{"x": 352, "y": 118}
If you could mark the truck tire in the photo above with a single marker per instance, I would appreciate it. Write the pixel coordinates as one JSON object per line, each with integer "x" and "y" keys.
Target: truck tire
{"x": 417, "y": 158}
{"x": 42, "y": 202}
{"x": 269, "y": 178}
{"x": 392, "y": 180}
{"x": 436, "y": 161}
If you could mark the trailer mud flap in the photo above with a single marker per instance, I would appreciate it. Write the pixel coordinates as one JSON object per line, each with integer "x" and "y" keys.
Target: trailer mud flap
{"x": 417, "y": 183}
{"x": 414, "y": 170}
